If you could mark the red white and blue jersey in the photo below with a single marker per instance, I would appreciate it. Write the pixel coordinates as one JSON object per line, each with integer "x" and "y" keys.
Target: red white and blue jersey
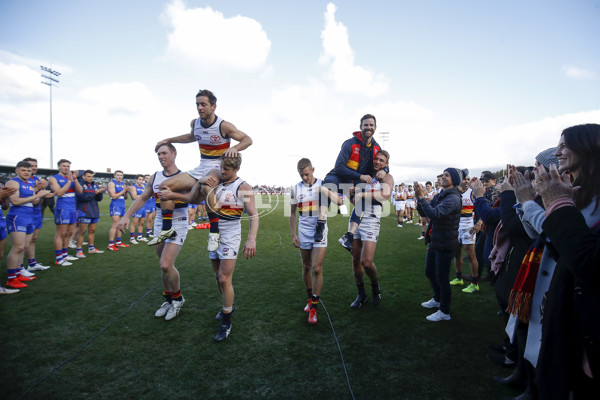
{"x": 139, "y": 189}
{"x": 151, "y": 203}
{"x": 67, "y": 200}
{"x": 119, "y": 187}
{"x": 210, "y": 139}
{"x": 25, "y": 190}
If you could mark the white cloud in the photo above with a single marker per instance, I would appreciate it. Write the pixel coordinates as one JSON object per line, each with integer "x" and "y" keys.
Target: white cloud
{"x": 339, "y": 55}
{"x": 121, "y": 98}
{"x": 20, "y": 83}
{"x": 203, "y": 36}
{"x": 578, "y": 73}
{"x": 523, "y": 142}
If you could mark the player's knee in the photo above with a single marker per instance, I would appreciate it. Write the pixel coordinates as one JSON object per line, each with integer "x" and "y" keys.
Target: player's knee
{"x": 18, "y": 248}
{"x": 367, "y": 262}
{"x": 165, "y": 267}
{"x": 224, "y": 280}
{"x": 317, "y": 269}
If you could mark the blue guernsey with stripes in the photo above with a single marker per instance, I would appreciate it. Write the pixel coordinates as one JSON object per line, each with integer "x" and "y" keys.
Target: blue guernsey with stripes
{"x": 67, "y": 200}
{"x": 25, "y": 190}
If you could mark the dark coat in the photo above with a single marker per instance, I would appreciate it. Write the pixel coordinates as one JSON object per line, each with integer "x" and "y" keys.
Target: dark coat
{"x": 87, "y": 201}
{"x": 571, "y": 313}
{"x": 355, "y": 159}
{"x": 444, "y": 214}
{"x": 519, "y": 244}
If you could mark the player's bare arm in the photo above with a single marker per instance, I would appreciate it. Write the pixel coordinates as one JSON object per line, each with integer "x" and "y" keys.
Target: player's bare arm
{"x": 57, "y": 189}
{"x": 293, "y": 221}
{"x": 17, "y": 201}
{"x": 111, "y": 191}
{"x": 139, "y": 202}
{"x": 230, "y": 131}
{"x": 185, "y": 138}
{"x": 249, "y": 204}
{"x": 379, "y": 195}
{"x": 78, "y": 187}
{"x": 5, "y": 193}
{"x": 333, "y": 196}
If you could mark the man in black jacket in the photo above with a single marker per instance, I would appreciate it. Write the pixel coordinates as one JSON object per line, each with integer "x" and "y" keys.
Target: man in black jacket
{"x": 442, "y": 236}
{"x": 89, "y": 212}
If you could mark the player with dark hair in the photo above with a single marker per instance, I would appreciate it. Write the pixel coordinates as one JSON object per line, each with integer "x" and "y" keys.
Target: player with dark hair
{"x": 354, "y": 164}
{"x": 89, "y": 213}
{"x": 117, "y": 190}
{"x": 19, "y": 223}
{"x": 139, "y": 218}
{"x": 5, "y": 193}
{"x": 65, "y": 185}
{"x": 213, "y": 135}
{"x": 38, "y": 184}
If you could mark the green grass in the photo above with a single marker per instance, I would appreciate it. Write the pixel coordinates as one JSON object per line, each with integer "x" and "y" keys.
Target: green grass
{"x": 88, "y": 331}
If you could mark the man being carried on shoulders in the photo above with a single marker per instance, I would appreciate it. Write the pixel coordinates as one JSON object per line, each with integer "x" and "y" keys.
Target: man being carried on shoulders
{"x": 213, "y": 135}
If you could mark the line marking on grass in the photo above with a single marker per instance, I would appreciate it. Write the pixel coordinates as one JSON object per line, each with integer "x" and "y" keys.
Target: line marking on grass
{"x": 101, "y": 331}
{"x": 340, "y": 349}
{"x": 332, "y": 328}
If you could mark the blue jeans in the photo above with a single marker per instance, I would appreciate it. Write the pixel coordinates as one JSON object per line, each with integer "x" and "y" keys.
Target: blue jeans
{"x": 437, "y": 268}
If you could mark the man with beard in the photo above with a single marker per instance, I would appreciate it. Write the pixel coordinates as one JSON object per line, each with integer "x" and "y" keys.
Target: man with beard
{"x": 353, "y": 165}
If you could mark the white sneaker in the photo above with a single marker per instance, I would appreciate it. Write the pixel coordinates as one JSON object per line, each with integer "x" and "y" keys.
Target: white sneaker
{"x": 162, "y": 236}
{"x": 431, "y": 303}
{"x": 42, "y": 266}
{"x": 421, "y": 237}
{"x": 162, "y": 311}
{"x": 438, "y": 316}
{"x": 133, "y": 241}
{"x": 72, "y": 244}
{"x": 26, "y": 273}
{"x": 35, "y": 267}
{"x": 142, "y": 239}
{"x": 4, "y": 290}
{"x": 400, "y": 226}
{"x": 174, "y": 309}
{"x": 70, "y": 258}
{"x": 64, "y": 263}
{"x": 190, "y": 227}
{"x": 194, "y": 224}
{"x": 213, "y": 241}
{"x": 84, "y": 243}
{"x": 80, "y": 255}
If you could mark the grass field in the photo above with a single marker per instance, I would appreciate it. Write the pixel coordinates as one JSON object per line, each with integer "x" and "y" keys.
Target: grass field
{"x": 88, "y": 331}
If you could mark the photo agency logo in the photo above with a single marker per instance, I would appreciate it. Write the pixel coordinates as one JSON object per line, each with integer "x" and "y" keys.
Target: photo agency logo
{"x": 267, "y": 202}
{"x": 346, "y": 190}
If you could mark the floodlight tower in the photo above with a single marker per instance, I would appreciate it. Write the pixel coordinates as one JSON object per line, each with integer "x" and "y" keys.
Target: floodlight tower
{"x": 50, "y": 81}
{"x": 385, "y": 136}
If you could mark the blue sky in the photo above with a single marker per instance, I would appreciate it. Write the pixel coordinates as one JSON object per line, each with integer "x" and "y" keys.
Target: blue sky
{"x": 473, "y": 84}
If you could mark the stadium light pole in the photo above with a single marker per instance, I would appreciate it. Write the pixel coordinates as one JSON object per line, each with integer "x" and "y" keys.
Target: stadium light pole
{"x": 384, "y": 137}
{"x": 50, "y": 81}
